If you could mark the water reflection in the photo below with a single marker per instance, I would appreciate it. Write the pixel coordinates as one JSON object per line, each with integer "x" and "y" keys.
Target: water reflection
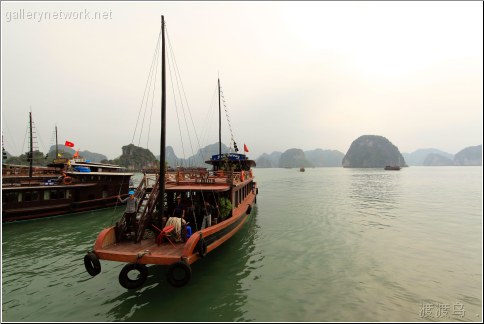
{"x": 374, "y": 196}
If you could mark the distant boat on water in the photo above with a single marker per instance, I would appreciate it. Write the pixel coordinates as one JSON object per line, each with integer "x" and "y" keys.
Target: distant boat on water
{"x": 301, "y": 169}
{"x": 392, "y": 167}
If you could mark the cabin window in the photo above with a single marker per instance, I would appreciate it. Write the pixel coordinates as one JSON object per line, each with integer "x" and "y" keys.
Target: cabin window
{"x": 68, "y": 194}
{"x": 105, "y": 194}
{"x": 27, "y": 196}
{"x": 31, "y": 196}
{"x": 10, "y": 197}
{"x": 46, "y": 195}
{"x": 53, "y": 194}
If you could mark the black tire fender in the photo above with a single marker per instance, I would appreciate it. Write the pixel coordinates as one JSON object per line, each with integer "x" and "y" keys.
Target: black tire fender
{"x": 92, "y": 264}
{"x": 201, "y": 247}
{"x": 249, "y": 209}
{"x": 179, "y": 274}
{"x": 129, "y": 283}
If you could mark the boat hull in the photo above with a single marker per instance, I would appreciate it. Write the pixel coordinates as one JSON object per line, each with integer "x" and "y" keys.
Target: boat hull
{"x": 147, "y": 251}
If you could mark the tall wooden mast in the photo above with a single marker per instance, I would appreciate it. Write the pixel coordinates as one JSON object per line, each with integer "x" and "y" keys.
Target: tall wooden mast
{"x": 56, "y": 145}
{"x": 31, "y": 152}
{"x": 161, "y": 196}
{"x": 219, "y": 122}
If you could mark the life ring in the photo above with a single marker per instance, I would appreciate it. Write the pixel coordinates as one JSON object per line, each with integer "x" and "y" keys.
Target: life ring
{"x": 242, "y": 176}
{"x": 92, "y": 264}
{"x": 250, "y": 173}
{"x": 179, "y": 274}
{"x": 67, "y": 180}
{"x": 129, "y": 283}
{"x": 249, "y": 209}
{"x": 202, "y": 247}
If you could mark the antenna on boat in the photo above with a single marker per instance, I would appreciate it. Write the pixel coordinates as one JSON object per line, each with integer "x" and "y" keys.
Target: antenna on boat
{"x": 161, "y": 196}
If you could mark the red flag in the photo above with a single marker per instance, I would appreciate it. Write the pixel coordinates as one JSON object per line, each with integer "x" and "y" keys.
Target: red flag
{"x": 69, "y": 144}
{"x": 245, "y": 148}
{"x": 76, "y": 155}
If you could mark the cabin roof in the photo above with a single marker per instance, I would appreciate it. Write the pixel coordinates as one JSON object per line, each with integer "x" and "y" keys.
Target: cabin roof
{"x": 30, "y": 188}
{"x": 95, "y": 164}
{"x": 233, "y": 158}
{"x": 99, "y": 173}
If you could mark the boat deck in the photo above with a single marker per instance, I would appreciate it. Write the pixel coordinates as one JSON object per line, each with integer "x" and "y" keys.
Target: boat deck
{"x": 147, "y": 249}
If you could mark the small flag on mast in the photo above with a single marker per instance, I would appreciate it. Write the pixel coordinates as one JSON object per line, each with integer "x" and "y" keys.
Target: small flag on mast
{"x": 69, "y": 144}
{"x": 245, "y": 148}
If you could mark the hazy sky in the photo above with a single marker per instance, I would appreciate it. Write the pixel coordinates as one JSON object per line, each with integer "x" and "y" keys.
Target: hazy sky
{"x": 294, "y": 74}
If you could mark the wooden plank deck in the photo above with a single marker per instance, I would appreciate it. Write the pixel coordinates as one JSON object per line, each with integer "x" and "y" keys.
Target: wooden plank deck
{"x": 147, "y": 252}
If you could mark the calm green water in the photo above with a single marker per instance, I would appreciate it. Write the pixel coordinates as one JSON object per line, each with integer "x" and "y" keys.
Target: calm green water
{"x": 328, "y": 244}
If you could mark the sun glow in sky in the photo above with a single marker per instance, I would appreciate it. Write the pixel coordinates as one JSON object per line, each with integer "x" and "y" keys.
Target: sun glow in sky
{"x": 294, "y": 74}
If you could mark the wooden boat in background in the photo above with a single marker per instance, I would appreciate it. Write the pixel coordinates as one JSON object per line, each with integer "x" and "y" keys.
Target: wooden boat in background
{"x": 229, "y": 185}
{"x": 392, "y": 167}
{"x": 63, "y": 187}
{"x": 50, "y": 192}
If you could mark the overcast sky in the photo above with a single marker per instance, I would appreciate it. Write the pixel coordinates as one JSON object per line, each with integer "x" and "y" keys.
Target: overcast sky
{"x": 294, "y": 74}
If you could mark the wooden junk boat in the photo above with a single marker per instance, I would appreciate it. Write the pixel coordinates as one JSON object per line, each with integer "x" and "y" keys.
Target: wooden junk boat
{"x": 81, "y": 186}
{"x": 63, "y": 187}
{"x": 150, "y": 241}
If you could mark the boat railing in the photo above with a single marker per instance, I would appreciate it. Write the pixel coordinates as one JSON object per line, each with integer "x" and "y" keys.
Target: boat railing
{"x": 21, "y": 170}
{"x": 204, "y": 176}
{"x": 149, "y": 180}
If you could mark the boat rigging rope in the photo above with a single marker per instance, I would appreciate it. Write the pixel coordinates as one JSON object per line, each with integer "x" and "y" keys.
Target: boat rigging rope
{"x": 148, "y": 81}
{"x": 176, "y": 109}
{"x": 117, "y": 201}
{"x": 151, "y": 110}
{"x": 181, "y": 90}
{"x": 228, "y": 121}
{"x": 25, "y": 137}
